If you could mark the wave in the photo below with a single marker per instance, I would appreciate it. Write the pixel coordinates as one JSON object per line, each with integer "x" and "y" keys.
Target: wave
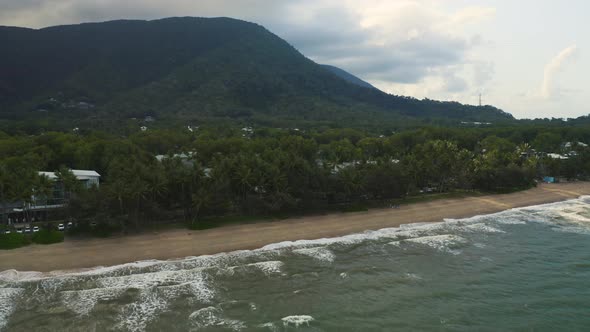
{"x": 213, "y": 317}
{"x": 155, "y": 283}
{"x": 576, "y": 211}
{"x": 7, "y": 303}
{"x": 319, "y": 253}
{"x": 297, "y": 320}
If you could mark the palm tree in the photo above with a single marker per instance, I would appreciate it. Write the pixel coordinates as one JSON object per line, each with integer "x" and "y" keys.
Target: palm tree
{"x": 244, "y": 177}
{"x": 157, "y": 184}
{"x": 43, "y": 190}
{"x": 71, "y": 186}
{"x": 352, "y": 180}
{"x": 138, "y": 191}
{"x": 201, "y": 198}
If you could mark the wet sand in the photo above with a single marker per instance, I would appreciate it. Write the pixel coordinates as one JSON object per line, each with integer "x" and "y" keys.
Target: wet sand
{"x": 78, "y": 254}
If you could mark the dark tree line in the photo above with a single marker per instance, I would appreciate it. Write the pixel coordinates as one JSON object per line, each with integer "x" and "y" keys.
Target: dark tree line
{"x": 224, "y": 171}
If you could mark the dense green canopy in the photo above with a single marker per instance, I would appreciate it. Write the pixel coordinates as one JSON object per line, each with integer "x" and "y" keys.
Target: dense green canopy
{"x": 221, "y": 171}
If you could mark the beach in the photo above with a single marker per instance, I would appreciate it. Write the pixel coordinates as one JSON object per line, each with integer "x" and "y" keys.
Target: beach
{"x": 89, "y": 253}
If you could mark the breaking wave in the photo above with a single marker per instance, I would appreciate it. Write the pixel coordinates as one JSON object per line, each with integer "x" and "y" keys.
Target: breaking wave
{"x": 147, "y": 289}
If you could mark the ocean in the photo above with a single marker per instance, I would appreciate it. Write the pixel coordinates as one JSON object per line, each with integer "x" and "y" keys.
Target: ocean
{"x": 525, "y": 269}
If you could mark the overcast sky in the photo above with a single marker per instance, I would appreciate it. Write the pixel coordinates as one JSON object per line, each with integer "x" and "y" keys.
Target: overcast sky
{"x": 527, "y": 57}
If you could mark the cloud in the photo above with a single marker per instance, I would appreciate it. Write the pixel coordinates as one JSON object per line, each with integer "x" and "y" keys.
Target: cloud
{"x": 553, "y": 68}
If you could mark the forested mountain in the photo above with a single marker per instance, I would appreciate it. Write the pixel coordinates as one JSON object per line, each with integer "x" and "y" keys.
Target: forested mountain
{"x": 348, "y": 76}
{"x": 180, "y": 70}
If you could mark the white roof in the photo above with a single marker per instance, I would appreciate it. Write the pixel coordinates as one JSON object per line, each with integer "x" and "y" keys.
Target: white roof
{"x": 80, "y": 174}
{"x": 556, "y": 156}
{"x": 49, "y": 175}
{"x": 85, "y": 173}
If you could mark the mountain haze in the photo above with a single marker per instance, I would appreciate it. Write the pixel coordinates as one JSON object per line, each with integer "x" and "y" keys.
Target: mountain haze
{"x": 190, "y": 69}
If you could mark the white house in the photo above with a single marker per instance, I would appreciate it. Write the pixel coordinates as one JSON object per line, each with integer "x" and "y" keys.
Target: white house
{"x": 87, "y": 177}
{"x": 40, "y": 206}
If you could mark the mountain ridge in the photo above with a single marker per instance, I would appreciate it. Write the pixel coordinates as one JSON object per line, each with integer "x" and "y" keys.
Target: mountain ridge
{"x": 190, "y": 69}
{"x": 348, "y": 76}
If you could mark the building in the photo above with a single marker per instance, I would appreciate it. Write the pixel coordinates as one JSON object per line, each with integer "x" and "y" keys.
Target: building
{"x": 41, "y": 207}
{"x": 89, "y": 179}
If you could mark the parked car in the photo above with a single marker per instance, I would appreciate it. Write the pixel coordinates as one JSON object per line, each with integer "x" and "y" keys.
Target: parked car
{"x": 35, "y": 229}
{"x": 27, "y": 230}
{"x": 19, "y": 231}
{"x": 70, "y": 225}
{"x": 93, "y": 224}
{"x": 61, "y": 227}
{"x": 7, "y": 231}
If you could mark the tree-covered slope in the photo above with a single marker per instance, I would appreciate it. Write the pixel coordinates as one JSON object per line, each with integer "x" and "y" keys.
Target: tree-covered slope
{"x": 189, "y": 69}
{"x": 348, "y": 76}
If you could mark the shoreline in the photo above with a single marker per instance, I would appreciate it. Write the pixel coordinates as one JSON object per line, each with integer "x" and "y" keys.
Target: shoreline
{"x": 74, "y": 255}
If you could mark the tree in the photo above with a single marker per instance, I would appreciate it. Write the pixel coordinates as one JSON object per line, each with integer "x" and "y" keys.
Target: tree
{"x": 547, "y": 142}
{"x": 441, "y": 164}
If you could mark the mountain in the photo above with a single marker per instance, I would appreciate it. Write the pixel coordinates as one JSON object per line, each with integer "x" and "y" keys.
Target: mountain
{"x": 190, "y": 69}
{"x": 348, "y": 76}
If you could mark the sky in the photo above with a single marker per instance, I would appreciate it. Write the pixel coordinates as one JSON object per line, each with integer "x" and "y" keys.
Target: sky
{"x": 526, "y": 57}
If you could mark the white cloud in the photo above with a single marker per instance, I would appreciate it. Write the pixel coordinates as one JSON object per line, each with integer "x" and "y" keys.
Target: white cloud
{"x": 552, "y": 68}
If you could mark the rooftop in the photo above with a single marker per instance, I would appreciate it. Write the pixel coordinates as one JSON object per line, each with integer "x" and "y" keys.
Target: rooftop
{"x": 80, "y": 174}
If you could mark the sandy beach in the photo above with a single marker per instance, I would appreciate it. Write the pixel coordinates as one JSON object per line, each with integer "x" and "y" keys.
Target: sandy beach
{"x": 77, "y": 254}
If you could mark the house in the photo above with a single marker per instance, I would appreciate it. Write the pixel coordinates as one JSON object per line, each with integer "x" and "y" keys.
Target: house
{"x": 556, "y": 156}
{"x": 88, "y": 178}
{"x": 570, "y": 145}
{"x": 40, "y": 206}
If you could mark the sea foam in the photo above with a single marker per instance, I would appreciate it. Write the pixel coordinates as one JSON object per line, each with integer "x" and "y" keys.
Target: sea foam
{"x": 439, "y": 242}
{"x": 213, "y": 317}
{"x": 297, "y": 320}
{"x": 319, "y": 253}
{"x": 83, "y": 301}
{"x": 7, "y": 303}
{"x": 136, "y": 316}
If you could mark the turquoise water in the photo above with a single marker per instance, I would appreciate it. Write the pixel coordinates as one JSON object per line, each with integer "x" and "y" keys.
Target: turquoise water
{"x": 524, "y": 270}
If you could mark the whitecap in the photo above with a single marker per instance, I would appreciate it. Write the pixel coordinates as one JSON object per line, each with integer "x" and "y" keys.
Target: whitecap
{"x": 318, "y": 253}
{"x": 483, "y": 228}
{"x": 7, "y": 303}
{"x": 83, "y": 301}
{"x": 439, "y": 242}
{"x": 271, "y": 326}
{"x": 212, "y": 317}
{"x": 297, "y": 320}
{"x": 413, "y": 276}
{"x": 269, "y": 267}
{"x": 135, "y": 316}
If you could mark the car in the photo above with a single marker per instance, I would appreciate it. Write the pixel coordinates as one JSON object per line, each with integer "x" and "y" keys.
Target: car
{"x": 93, "y": 224}
{"x": 27, "y": 230}
{"x": 35, "y": 229}
{"x": 70, "y": 224}
{"x": 19, "y": 231}
{"x": 61, "y": 227}
{"x": 7, "y": 231}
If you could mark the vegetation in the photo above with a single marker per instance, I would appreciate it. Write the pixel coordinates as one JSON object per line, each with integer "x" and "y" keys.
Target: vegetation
{"x": 47, "y": 237}
{"x": 12, "y": 241}
{"x": 189, "y": 71}
{"x": 205, "y": 177}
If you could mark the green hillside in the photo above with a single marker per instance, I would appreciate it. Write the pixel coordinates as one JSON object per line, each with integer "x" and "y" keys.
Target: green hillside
{"x": 348, "y": 76}
{"x": 187, "y": 70}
